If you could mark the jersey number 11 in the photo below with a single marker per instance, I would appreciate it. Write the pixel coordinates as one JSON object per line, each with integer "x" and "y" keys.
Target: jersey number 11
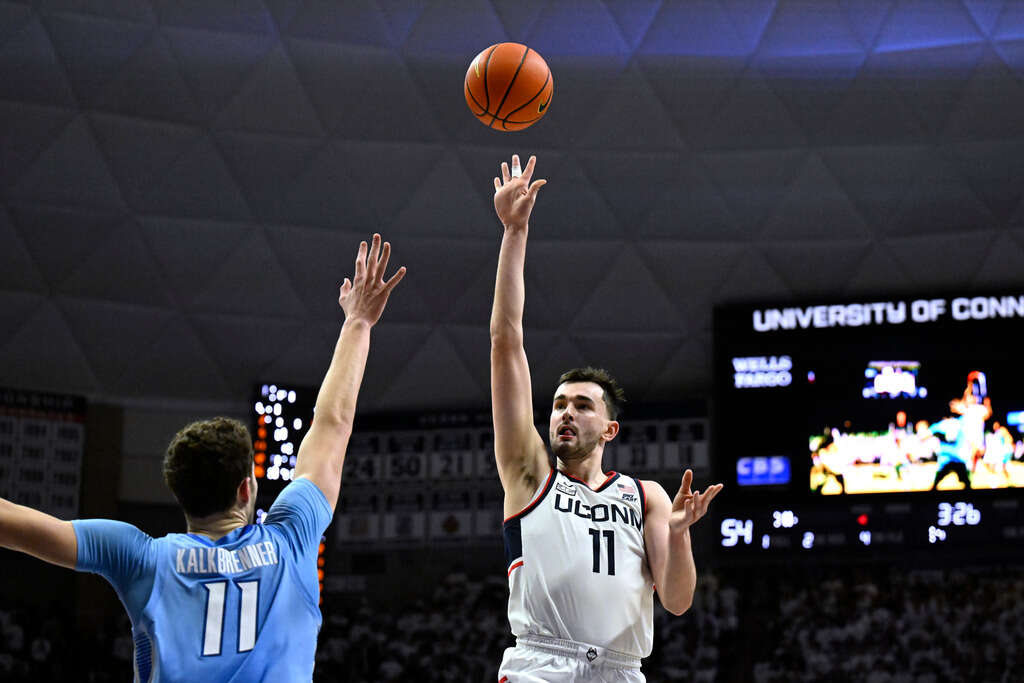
{"x": 609, "y": 537}
{"x": 213, "y": 629}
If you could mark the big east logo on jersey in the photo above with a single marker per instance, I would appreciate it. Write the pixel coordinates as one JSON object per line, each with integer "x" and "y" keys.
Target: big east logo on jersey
{"x": 566, "y": 488}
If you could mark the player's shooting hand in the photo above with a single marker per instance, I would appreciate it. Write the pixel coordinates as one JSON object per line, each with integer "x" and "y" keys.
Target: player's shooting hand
{"x": 689, "y": 506}
{"x": 514, "y": 195}
{"x": 365, "y": 295}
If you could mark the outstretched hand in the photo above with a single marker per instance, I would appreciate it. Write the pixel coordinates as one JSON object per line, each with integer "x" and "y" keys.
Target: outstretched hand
{"x": 689, "y": 506}
{"x": 514, "y": 195}
{"x": 364, "y": 297}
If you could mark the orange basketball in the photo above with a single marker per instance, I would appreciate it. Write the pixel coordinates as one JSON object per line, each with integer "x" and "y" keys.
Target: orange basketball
{"x": 509, "y": 86}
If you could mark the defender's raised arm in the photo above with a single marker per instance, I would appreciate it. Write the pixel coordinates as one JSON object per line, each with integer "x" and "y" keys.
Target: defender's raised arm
{"x": 519, "y": 450}
{"x": 322, "y": 452}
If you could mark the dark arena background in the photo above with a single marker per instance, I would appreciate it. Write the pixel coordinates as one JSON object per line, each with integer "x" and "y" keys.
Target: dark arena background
{"x": 793, "y": 230}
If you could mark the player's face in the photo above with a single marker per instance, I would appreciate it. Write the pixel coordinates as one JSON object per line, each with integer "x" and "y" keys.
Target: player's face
{"x": 579, "y": 420}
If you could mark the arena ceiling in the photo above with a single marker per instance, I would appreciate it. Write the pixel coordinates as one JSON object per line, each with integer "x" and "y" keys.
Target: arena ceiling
{"x": 183, "y": 183}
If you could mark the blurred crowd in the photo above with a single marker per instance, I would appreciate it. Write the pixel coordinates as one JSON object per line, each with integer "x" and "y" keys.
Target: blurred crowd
{"x": 880, "y": 625}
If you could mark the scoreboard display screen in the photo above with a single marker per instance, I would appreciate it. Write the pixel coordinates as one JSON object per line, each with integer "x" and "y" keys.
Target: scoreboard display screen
{"x": 863, "y": 423}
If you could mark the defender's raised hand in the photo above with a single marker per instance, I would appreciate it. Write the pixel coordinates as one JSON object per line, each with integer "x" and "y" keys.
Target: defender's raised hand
{"x": 514, "y": 194}
{"x": 689, "y": 506}
{"x": 364, "y": 297}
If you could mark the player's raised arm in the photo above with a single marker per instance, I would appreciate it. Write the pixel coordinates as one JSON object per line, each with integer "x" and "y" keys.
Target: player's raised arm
{"x": 667, "y": 537}
{"x": 38, "y": 534}
{"x": 322, "y": 452}
{"x": 518, "y": 448}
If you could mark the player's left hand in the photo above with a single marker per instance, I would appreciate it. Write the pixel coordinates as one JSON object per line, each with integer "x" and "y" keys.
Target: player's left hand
{"x": 689, "y": 506}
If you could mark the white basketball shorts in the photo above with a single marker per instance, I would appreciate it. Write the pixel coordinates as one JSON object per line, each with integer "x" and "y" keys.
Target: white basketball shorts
{"x": 537, "y": 659}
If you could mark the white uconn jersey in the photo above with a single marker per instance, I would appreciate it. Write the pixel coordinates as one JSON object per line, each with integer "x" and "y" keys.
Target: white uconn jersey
{"x": 577, "y": 568}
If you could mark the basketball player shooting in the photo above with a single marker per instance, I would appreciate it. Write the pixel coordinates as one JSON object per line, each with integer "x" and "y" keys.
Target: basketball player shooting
{"x": 585, "y": 548}
{"x": 230, "y": 600}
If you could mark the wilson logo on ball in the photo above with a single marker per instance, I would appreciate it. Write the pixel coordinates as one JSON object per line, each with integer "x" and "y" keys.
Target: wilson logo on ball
{"x": 508, "y": 87}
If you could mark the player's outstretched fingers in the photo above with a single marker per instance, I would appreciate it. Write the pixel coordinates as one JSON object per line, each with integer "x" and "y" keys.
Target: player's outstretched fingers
{"x": 497, "y": 184}
{"x": 505, "y": 175}
{"x": 385, "y": 256}
{"x": 361, "y": 260}
{"x": 395, "y": 279}
{"x": 528, "y": 171}
{"x": 535, "y": 187}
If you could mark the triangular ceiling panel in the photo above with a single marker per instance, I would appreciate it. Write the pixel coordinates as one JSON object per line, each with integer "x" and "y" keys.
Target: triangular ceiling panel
{"x": 815, "y": 207}
{"x": 391, "y": 351}
{"x": 699, "y": 28}
{"x": 262, "y": 164}
{"x": 191, "y": 253}
{"x": 694, "y": 210}
{"x": 199, "y": 185}
{"x": 869, "y": 113}
{"x": 119, "y": 269}
{"x": 878, "y": 272}
{"x": 690, "y": 274}
{"x": 30, "y": 69}
{"x": 317, "y": 262}
{"x": 550, "y": 354}
{"x": 994, "y": 172}
{"x": 632, "y": 118}
{"x": 150, "y": 86}
{"x": 472, "y": 344}
{"x": 71, "y": 171}
{"x": 519, "y": 16}
{"x": 753, "y": 182}
{"x": 634, "y": 18}
{"x": 877, "y": 196}
{"x": 401, "y": 16}
{"x": 610, "y": 305}
{"x": 110, "y": 44}
{"x": 562, "y": 275}
{"x": 631, "y": 194}
{"x": 989, "y": 107}
{"x": 432, "y": 32}
{"x": 18, "y": 268}
{"x": 244, "y": 347}
{"x": 684, "y": 375}
{"x": 271, "y": 100}
{"x": 25, "y": 132}
{"x": 752, "y": 279}
{"x": 576, "y": 27}
{"x": 916, "y": 24}
{"x": 432, "y": 196}
{"x": 60, "y": 240}
{"x": 931, "y": 82}
{"x": 985, "y": 13}
{"x": 936, "y": 261}
{"x": 434, "y": 363}
{"x": 120, "y": 138}
{"x": 377, "y": 101}
{"x": 108, "y": 332}
{"x": 238, "y": 58}
{"x": 818, "y": 270}
{"x": 16, "y": 309}
{"x": 252, "y": 281}
{"x": 634, "y": 359}
{"x": 62, "y": 368}
{"x": 793, "y": 32}
{"x": 1010, "y": 23}
{"x": 940, "y": 201}
{"x": 159, "y": 365}
{"x": 362, "y": 24}
{"x": 1001, "y": 267}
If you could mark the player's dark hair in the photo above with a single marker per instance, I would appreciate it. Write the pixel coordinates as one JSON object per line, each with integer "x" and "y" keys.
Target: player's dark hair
{"x": 205, "y": 463}
{"x": 614, "y": 396}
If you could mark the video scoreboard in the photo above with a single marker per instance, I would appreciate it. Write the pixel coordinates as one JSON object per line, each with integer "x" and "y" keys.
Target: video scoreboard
{"x": 873, "y": 425}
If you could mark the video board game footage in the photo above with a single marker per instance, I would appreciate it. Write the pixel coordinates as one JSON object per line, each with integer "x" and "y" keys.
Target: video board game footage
{"x": 891, "y": 396}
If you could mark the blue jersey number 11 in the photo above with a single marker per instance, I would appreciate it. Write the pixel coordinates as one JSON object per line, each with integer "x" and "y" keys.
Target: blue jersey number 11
{"x": 213, "y": 629}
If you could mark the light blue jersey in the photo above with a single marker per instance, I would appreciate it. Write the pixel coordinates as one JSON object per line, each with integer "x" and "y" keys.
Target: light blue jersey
{"x": 242, "y": 608}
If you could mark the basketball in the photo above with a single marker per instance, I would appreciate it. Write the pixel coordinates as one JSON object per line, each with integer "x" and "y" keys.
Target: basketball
{"x": 509, "y": 87}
